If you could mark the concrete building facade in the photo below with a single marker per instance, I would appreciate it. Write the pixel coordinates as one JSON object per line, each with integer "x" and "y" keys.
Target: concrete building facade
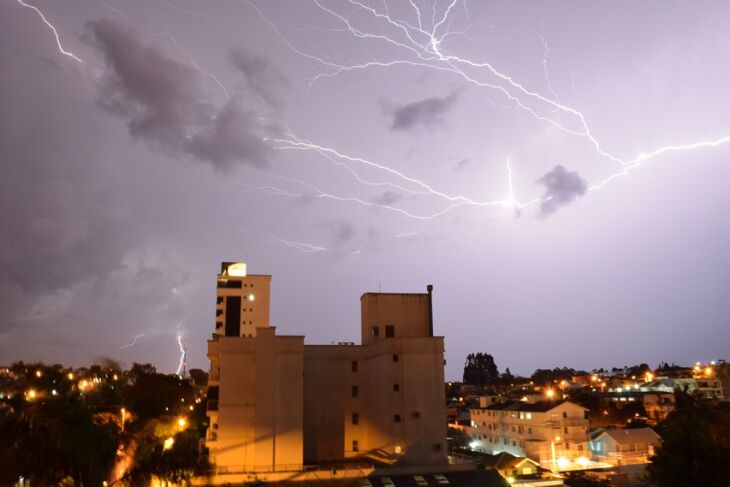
{"x": 277, "y": 404}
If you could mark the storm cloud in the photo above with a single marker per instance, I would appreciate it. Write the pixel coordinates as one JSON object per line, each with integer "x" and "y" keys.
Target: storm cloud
{"x": 561, "y": 188}
{"x": 428, "y": 112}
{"x": 261, "y": 76}
{"x": 163, "y": 105}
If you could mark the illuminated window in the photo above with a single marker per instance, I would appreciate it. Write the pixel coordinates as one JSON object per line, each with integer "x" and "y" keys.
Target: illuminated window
{"x": 389, "y": 331}
{"x": 355, "y": 418}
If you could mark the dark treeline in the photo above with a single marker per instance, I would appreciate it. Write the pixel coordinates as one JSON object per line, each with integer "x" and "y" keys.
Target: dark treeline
{"x": 73, "y": 427}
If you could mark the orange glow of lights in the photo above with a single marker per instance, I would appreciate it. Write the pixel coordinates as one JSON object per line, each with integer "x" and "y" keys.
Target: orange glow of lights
{"x": 167, "y": 444}
{"x": 181, "y": 422}
{"x": 550, "y": 393}
{"x": 38, "y": 373}
{"x": 31, "y": 394}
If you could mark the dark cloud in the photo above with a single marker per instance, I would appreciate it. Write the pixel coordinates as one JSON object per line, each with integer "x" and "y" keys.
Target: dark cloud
{"x": 461, "y": 164}
{"x": 561, "y": 187}
{"x": 162, "y": 103}
{"x": 261, "y": 76}
{"x": 427, "y": 112}
{"x": 388, "y": 198}
{"x": 341, "y": 231}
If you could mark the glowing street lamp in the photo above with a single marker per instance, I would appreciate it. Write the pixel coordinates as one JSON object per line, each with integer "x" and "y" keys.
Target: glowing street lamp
{"x": 550, "y": 393}
{"x": 167, "y": 444}
{"x": 181, "y": 422}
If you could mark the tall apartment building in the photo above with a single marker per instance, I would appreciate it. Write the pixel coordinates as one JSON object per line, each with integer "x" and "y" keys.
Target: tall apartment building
{"x": 554, "y": 433}
{"x": 277, "y": 404}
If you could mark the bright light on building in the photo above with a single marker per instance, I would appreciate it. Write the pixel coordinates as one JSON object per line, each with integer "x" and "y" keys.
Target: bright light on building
{"x": 550, "y": 393}
{"x": 563, "y": 462}
{"x": 510, "y": 480}
{"x": 582, "y": 461}
{"x": 251, "y": 297}
{"x": 167, "y": 444}
{"x": 237, "y": 269}
{"x": 473, "y": 444}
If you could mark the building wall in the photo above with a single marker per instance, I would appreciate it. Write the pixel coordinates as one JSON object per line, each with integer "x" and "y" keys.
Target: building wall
{"x": 328, "y": 401}
{"x": 408, "y": 314}
{"x": 259, "y": 420}
{"x": 409, "y": 389}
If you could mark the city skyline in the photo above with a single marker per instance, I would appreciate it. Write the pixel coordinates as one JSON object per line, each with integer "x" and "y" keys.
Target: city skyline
{"x": 345, "y": 148}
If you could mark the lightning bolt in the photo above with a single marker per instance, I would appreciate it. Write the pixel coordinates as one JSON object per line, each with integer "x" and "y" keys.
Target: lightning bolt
{"x": 133, "y": 342}
{"x": 301, "y": 246}
{"x": 183, "y": 352}
{"x": 195, "y": 64}
{"x": 424, "y": 48}
{"x": 55, "y": 32}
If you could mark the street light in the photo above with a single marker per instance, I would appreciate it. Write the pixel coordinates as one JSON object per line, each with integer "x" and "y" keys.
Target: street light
{"x": 124, "y": 418}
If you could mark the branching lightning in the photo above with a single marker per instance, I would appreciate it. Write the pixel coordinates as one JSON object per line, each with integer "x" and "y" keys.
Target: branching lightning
{"x": 55, "y": 32}
{"x": 423, "y": 48}
{"x": 133, "y": 342}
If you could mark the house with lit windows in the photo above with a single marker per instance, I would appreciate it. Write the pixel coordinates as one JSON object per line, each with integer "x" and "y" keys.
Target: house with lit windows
{"x": 553, "y": 433}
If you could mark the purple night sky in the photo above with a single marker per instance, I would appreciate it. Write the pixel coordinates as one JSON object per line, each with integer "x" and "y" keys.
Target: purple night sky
{"x": 557, "y": 170}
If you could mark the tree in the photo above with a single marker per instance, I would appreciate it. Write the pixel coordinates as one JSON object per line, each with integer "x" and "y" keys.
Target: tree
{"x": 57, "y": 439}
{"x": 151, "y": 394}
{"x": 480, "y": 369}
{"x": 695, "y": 447}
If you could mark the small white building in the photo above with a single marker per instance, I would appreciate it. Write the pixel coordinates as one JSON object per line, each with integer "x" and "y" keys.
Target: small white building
{"x": 625, "y": 446}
